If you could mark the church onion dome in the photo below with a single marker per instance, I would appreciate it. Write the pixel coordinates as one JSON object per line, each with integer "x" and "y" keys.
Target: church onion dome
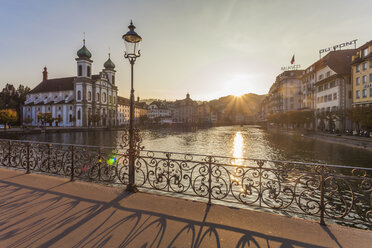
{"x": 84, "y": 52}
{"x": 109, "y": 64}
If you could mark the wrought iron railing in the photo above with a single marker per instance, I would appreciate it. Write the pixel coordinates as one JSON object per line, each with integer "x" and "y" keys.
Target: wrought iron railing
{"x": 340, "y": 194}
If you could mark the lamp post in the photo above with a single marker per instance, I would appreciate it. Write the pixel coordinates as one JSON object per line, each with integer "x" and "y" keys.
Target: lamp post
{"x": 132, "y": 41}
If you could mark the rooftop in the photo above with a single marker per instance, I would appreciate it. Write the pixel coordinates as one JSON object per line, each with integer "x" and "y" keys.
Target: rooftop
{"x": 43, "y": 211}
{"x": 55, "y": 84}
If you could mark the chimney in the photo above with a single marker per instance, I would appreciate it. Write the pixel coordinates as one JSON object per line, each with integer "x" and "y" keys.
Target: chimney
{"x": 45, "y": 74}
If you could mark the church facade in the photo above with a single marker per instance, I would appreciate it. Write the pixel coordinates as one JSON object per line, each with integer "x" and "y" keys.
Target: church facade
{"x": 74, "y": 101}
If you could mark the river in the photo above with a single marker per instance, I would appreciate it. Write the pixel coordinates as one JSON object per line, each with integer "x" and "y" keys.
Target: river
{"x": 237, "y": 141}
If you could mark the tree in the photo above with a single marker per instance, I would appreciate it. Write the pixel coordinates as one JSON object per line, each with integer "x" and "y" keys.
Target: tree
{"x": 94, "y": 118}
{"x": 46, "y": 118}
{"x": 8, "y": 116}
{"x": 27, "y": 120}
{"x": 12, "y": 98}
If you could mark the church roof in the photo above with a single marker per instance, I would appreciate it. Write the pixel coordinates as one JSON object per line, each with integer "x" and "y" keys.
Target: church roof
{"x": 109, "y": 64}
{"x": 55, "y": 84}
{"x": 84, "y": 53}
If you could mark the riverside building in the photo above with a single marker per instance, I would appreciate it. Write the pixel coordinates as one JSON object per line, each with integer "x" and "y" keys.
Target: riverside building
{"x": 284, "y": 94}
{"x": 332, "y": 83}
{"x": 140, "y": 109}
{"x": 74, "y": 99}
{"x": 361, "y": 76}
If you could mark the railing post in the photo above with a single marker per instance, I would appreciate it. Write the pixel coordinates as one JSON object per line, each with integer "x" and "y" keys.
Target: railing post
{"x": 28, "y": 158}
{"x": 72, "y": 164}
{"x": 9, "y": 152}
{"x": 49, "y": 147}
{"x": 209, "y": 180}
{"x": 99, "y": 163}
{"x": 322, "y": 186}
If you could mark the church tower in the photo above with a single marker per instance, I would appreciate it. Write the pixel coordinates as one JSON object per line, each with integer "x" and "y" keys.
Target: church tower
{"x": 109, "y": 69}
{"x": 84, "y": 63}
{"x": 83, "y": 87}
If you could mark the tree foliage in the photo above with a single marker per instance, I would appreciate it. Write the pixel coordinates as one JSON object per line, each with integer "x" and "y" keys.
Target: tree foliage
{"x": 94, "y": 118}
{"x": 46, "y": 118}
{"x": 293, "y": 118}
{"x": 12, "y": 98}
{"x": 8, "y": 116}
{"x": 361, "y": 116}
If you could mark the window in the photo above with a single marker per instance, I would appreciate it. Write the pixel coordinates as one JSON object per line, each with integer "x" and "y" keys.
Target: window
{"x": 364, "y": 93}
{"x": 79, "y": 114}
{"x": 48, "y": 108}
{"x": 333, "y": 84}
{"x": 320, "y": 88}
{"x": 364, "y": 66}
{"x": 357, "y": 82}
{"x": 357, "y": 69}
{"x": 79, "y": 95}
{"x": 70, "y": 107}
{"x": 70, "y": 118}
{"x": 88, "y": 71}
{"x": 104, "y": 97}
{"x": 334, "y": 96}
{"x": 80, "y": 70}
{"x": 89, "y": 96}
{"x": 113, "y": 79}
{"x": 357, "y": 94}
{"x": 326, "y": 86}
{"x": 370, "y": 78}
{"x": 59, "y": 108}
{"x": 330, "y": 97}
{"x": 364, "y": 79}
{"x": 365, "y": 52}
{"x": 370, "y": 92}
{"x": 328, "y": 73}
{"x": 320, "y": 76}
{"x": 370, "y": 64}
{"x": 323, "y": 98}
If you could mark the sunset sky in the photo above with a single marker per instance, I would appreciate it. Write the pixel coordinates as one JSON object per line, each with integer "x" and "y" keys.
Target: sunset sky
{"x": 208, "y": 48}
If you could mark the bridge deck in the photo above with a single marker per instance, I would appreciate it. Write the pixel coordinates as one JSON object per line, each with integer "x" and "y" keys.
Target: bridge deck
{"x": 45, "y": 211}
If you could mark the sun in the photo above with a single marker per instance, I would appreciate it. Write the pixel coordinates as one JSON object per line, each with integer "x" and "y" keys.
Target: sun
{"x": 238, "y": 95}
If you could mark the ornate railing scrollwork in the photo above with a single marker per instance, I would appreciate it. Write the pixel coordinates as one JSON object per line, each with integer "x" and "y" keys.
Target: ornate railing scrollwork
{"x": 339, "y": 194}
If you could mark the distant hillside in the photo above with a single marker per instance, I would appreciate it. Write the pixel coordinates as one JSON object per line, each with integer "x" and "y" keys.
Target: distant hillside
{"x": 247, "y": 104}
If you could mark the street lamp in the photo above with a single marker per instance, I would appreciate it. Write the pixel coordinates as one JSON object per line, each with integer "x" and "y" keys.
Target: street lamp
{"x": 132, "y": 41}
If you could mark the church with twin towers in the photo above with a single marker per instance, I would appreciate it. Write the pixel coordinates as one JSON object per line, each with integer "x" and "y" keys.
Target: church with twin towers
{"x": 73, "y": 100}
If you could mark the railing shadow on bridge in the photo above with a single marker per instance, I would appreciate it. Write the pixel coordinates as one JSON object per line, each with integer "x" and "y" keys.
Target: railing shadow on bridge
{"x": 337, "y": 194}
{"x": 135, "y": 228}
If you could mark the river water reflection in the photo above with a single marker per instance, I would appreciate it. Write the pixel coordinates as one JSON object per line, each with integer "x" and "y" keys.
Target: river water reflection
{"x": 236, "y": 141}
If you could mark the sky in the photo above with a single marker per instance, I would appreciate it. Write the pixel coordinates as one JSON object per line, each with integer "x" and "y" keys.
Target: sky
{"x": 208, "y": 48}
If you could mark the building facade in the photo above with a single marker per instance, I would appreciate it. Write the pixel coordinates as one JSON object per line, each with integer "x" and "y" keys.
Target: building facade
{"x": 74, "y": 99}
{"x": 333, "y": 87}
{"x": 284, "y": 95}
{"x": 361, "y": 76}
{"x": 186, "y": 110}
{"x": 159, "y": 111}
